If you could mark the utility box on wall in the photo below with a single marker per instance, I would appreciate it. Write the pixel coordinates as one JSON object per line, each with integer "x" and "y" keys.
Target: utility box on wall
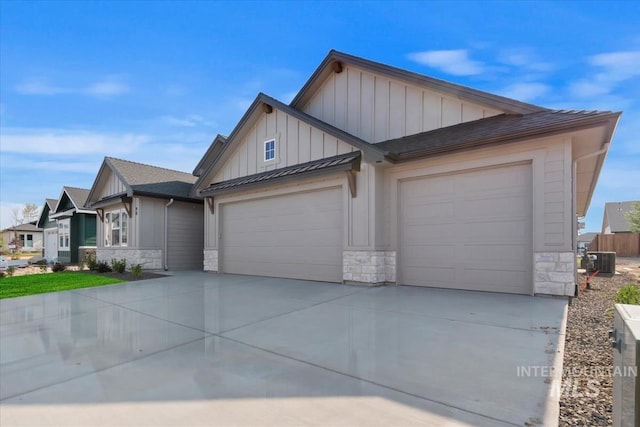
{"x": 626, "y": 359}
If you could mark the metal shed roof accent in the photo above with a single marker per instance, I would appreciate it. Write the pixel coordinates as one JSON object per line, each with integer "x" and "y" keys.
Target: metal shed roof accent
{"x": 342, "y": 162}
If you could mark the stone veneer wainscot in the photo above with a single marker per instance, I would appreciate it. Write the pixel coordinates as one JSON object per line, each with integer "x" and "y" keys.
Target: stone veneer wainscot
{"x": 150, "y": 259}
{"x": 554, "y": 273}
{"x": 369, "y": 266}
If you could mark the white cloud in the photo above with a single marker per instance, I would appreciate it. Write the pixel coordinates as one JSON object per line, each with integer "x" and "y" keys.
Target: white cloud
{"x": 614, "y": 68}
{"x": 525, "y": 91}
{"x": 6, "y": 213}
{"x": 104, "y": 88}
{"x": 524, "y": 58}
{"x": 456, "y": 62}
{"x": 68, "y": 142}
{"x": 39, "y": 87}
{"x": 191, "y": 120}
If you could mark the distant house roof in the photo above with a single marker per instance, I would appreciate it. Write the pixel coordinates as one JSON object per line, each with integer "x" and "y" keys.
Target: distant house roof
{"x": 146, "y": 180}
{"x": 491, "y": 130}
{"x": 77, "y": 197}
{"x": 614, "y": 216}
{"x": 29, "y": 226}
{"x": 49, "y": 206}
{"x": 586, "y": 237}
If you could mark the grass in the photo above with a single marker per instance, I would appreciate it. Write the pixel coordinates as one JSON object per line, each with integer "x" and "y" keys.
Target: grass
{"x": 33, "y": 284}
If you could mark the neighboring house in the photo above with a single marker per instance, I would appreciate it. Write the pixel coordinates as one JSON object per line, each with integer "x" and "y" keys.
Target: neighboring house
{"x": 583, "y": 241}
{"x": 146, "y": 216}
{"x": 374, "y": 174}
{"x": 614, "y": 219}
{"x": 76, "y": 225}
{"x": 22, "y": 238}
{"x": 50, "y": 229}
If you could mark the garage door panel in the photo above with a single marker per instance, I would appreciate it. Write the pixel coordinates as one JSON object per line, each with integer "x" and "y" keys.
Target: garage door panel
{"x": 296, "y": 236}
{"x": 475, "y": 235}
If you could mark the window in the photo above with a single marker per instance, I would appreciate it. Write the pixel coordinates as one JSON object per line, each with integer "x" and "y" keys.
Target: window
{"x": 116, "y": 228}
{"x": 63, "y": 234}
{"x": 269, "y": 150}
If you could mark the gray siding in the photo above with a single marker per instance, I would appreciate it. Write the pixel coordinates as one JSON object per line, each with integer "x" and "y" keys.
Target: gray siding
{"x": 112, "y": 185}
{"x": 377, "y": 108}
{"x": 296, "y": 142}
{"x": 186, "y": 236}
{"x": 150, "y": 222}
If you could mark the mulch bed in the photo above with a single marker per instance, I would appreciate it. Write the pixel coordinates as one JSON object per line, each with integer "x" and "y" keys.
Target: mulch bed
{"x": 587, "y": 393}
{"x": 129, "y": 277}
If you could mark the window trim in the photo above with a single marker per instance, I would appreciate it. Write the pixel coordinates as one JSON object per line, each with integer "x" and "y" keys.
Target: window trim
{"x": 64, "y": 234}
{"x": 108, "y": 228}
{"x": 268, "y": 141}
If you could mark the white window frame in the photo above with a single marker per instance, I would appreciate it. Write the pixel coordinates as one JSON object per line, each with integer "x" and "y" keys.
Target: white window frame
{"x": 64, "y": 234}
{"x": 122, "y": 228}
{"x": 270, "y": 141}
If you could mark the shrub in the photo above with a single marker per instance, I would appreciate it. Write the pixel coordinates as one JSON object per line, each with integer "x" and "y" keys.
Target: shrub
{"x": 91, "y": 261}
{"x": 10, "y": 270}
{"x": 136, "y": 270}
{"x": 103, "y": 267}
{"x": 1, "y": 274}
{"x": 628, "y": 294}
{"x": 119, "y": 266}
{"x": 58, "y": 267}
{"x": 43, "y": 267}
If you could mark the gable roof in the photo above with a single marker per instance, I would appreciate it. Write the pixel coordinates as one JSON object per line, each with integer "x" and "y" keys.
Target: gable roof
{"x": 145, "y": 180}
{"x": 49, "y": 206}
{"x": 615, "y": 214}
{"x": 492, "y": 130}
{"x": 210, "y": 155}
{"x": 77, "y": 197}
{"x": 458, "y": 91}
{"x": 255, "y": 111}
{"x": 28, "y": 226}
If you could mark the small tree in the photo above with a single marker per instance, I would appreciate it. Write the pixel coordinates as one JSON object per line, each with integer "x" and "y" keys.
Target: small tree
{"x": 633, "y": 216}
{"x": 30, "y": 212}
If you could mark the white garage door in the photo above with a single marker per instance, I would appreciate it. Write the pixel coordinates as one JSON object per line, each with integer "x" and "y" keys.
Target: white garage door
{"x": 468, "y": 230}
{"x": 51, "y": 243}
{"x": 295, "y": 236}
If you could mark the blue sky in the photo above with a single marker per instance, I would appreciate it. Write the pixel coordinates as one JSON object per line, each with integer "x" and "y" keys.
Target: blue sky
{"x": 156, "y": 81}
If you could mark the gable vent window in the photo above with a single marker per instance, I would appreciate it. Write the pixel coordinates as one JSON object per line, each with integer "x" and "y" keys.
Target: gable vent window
{"x": 269, "y": 150}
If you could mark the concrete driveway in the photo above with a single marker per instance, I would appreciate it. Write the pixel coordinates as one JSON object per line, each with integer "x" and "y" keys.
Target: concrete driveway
{"x": 208, "y": 349}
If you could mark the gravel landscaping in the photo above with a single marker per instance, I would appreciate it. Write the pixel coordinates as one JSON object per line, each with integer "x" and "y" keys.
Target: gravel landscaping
{"x": 586, "y": 398}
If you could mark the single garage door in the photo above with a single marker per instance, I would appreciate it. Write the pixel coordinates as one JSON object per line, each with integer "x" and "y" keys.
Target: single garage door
{"x": 51, "y": 243}
{"x": 468, "y": 230}
{"x": 296, "y": 236}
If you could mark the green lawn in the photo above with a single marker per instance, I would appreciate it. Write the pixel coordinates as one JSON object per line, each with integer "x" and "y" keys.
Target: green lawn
{"x": 32, "y": 284}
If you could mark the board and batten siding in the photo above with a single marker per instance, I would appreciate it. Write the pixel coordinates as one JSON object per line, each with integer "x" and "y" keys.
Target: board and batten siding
{"x": 112, "y": 185}
{"x": 296, "y": 142}
{"x": 377, "y": 108}
{"x": 185, "y": 236}
{"x": 149, "y": 222}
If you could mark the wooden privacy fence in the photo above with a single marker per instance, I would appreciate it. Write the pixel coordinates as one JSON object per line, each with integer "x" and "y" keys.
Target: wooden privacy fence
{"x": 623, "y": 244}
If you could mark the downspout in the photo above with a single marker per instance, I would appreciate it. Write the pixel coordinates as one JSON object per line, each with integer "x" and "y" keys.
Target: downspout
{"x": 603, "y": 150}
{"x": 166, "y": 233}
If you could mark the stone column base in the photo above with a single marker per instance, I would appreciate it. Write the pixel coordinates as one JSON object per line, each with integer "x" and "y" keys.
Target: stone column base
{"x": 150, "y": 259}
{"x": 372, "y": 267}
{"x": 554, "y": 273}
{"x": 210, "y": 260}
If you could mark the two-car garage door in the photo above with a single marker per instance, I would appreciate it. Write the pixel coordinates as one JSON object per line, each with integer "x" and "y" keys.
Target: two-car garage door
{"x": 295, "y": 236}
{"x": 468, "y": 230}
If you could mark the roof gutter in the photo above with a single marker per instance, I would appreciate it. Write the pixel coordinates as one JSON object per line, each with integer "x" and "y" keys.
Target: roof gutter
{"x": 166, "y": 233}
